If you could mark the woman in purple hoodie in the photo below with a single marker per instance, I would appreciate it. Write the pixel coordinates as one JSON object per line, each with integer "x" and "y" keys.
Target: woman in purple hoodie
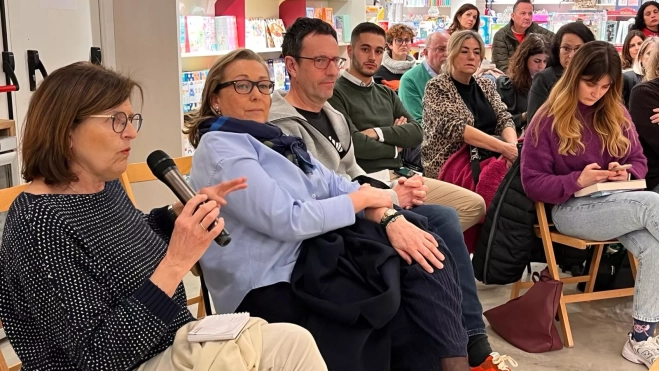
{"x": 577, "y": 139}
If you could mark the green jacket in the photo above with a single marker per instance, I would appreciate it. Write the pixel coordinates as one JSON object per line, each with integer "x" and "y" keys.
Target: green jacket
{"x": 505, "y": 43}
{"x": 411, "y": 89}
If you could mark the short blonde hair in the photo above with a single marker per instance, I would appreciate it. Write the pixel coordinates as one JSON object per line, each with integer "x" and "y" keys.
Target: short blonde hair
{"x": 455, "y": 43}
{"x": 213, "y": 80}
{"x": 652, "y": 69}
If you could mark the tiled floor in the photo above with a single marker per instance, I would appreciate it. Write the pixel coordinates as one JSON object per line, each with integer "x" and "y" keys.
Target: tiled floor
{"x": 599, "y": 329}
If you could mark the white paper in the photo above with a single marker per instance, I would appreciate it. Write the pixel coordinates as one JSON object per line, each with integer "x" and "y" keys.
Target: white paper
{"x": 59, "y": 4}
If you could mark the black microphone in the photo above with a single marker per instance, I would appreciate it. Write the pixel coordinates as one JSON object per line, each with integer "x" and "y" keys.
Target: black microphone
{"x": 165, "y": 169}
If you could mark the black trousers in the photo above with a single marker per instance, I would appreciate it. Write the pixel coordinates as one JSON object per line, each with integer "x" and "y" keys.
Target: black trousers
{"x": 427, "y": 328}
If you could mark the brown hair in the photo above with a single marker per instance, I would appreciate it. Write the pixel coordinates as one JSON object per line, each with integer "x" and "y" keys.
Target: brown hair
{"x": 627, "y": 60}
{"x": 64, "y": 99}
{"x": 214, "y": 78}
{"x": 518, "y": 69}
{"x": 455, "y": 25}
{"x": 398, "y": 31}
{"x": 593, "y": 61}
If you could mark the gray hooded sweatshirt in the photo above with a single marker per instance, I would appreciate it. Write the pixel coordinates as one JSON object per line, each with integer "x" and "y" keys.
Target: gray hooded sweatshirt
{"x": 291, "y": 122}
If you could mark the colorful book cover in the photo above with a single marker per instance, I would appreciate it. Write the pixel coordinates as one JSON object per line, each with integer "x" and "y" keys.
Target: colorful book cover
{"x": 255, "y": 33}
{"x": 344, "y": 22}
{"x": 328, "y": 15}
{"x": 209, "y": 40}
{"x": 276, "y": 30}
{"x": 226, "y": 33}
{"x": 318, "y": 13}
{"x": 183, "y": 34}
{"x": 310, "y": 12}
{"x": 195, "y": 29}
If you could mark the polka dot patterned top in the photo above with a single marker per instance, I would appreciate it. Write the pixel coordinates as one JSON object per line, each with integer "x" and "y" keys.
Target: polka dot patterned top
{"x": 75, "y": 292}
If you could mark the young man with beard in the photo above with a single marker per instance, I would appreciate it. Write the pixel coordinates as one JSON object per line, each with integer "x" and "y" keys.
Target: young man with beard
{"x": 313, "y": 61}
{"x": 381, "y": 127}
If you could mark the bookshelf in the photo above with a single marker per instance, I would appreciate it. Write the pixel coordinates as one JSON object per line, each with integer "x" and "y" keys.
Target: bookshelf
{"x": 149, "y": 51}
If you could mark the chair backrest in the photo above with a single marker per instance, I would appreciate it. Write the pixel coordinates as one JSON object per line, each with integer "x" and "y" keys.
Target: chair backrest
{"x": 140, "y": 172}
{"x": 7, "y": 197}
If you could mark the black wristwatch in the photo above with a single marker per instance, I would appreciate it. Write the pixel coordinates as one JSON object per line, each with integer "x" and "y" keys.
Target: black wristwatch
{"x": 389, "y": 216}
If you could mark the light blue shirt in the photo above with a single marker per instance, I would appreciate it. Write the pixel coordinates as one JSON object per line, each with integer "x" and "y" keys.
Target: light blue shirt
{"x": 281, "y": 207}
{"x": 429, "y": 69}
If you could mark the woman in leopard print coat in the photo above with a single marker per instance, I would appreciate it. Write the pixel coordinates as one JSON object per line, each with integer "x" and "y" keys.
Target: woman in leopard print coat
{"x": 459, "y": 109}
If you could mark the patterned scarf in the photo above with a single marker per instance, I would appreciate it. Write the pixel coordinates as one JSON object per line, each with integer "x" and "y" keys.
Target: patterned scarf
{"x": 293, "y": 148}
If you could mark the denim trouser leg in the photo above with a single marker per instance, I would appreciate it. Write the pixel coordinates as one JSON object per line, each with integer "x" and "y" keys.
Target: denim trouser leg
{"x": 631, "y": 217}
{"x": 444, "y": 222}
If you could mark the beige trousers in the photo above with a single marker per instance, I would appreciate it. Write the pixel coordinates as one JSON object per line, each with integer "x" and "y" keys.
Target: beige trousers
{"x": 469, "y": 205}
{"x": 260, "y": 347}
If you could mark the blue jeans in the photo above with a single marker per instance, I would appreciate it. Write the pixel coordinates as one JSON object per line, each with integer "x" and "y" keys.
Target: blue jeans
{"x": 444, "y": 221}
{"x": 632, "y": 218}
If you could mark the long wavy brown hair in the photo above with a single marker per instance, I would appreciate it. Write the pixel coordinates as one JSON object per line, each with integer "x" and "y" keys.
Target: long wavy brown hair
{"x": 592, "y": 62}
{"x": 214, "y": 78}
{"x": 518, "y": 70}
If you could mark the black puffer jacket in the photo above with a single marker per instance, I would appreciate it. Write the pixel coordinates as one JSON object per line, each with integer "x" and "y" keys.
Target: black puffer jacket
{"x": 507, "y": 242}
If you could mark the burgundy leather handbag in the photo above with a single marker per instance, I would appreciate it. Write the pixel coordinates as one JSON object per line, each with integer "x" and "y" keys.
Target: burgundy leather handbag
{"x": 527, "y": 322}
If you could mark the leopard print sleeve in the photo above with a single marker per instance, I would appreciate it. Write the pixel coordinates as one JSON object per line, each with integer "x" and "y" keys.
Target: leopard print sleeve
{"x": 504, "y": 118}
{"x": 444, "y": 123}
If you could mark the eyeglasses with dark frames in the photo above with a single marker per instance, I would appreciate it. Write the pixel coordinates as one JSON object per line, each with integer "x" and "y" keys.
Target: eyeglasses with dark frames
{"x": 323, "y": 62}
{"x": 120, "y": 121}
{"x": 265, "y": 87}
{"x": 403, "y": 41}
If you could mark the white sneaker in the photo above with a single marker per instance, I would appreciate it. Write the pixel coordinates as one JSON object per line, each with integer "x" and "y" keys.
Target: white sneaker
{"x": 642, "y": 352}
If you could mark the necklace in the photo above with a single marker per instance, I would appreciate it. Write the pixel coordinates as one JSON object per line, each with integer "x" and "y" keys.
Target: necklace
{"x": 73, "y": 189}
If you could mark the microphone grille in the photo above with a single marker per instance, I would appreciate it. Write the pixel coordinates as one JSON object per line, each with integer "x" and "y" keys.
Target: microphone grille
{"x": 158, "y": 161}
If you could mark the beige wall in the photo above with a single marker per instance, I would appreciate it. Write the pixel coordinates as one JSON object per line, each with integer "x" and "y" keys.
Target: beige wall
{"x": 146, "y": 49}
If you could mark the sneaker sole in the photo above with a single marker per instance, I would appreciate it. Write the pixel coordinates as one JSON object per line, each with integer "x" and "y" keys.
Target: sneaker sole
{"x": 633, "y": 358}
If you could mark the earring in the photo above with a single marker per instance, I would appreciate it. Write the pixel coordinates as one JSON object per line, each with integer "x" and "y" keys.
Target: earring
{"x": 217, "y": 110}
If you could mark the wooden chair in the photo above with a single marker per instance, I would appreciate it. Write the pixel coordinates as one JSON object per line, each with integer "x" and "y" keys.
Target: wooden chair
{"x": 140, "y": 172}
{"x": 7, "y": 197}
{"x": 549, "y": 235}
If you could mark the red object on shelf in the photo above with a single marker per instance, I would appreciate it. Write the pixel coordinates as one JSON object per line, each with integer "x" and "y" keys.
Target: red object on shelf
{"x": 7, "y": 88}
{"x": 235, "y": 8}
{"x": 290, "y": 10}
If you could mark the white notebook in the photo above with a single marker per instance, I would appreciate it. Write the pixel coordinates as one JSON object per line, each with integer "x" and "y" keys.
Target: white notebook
{"x": 607, "y": 188}
{"x": 219, "y": 327}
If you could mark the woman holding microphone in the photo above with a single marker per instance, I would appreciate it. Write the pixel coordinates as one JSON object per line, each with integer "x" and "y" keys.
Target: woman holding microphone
{"x": 88, "y": 282}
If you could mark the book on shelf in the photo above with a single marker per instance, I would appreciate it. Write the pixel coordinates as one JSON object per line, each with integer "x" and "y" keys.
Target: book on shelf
{"x": 226, "y": 33}
{"x": 192, "y": 86}
{"x": 219, "y": 327}
{"x": 276, "y": 31}
{"x": 200, "y": 34}
{"x": 256, "y": 33}
{"x": 607, "y": 188}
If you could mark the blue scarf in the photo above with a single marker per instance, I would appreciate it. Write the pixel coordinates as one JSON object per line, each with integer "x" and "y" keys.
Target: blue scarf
{"x": 293, "y": 148}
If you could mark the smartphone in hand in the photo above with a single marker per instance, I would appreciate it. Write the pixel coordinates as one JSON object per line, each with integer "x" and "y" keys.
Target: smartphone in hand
{"x": 621, "y": 167}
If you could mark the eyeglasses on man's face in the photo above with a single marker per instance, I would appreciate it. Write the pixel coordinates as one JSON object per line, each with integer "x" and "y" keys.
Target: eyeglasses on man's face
{"x": 120, "y": 121}
{"x": 323, "y": 62}
{"x": 265, "y": 87}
